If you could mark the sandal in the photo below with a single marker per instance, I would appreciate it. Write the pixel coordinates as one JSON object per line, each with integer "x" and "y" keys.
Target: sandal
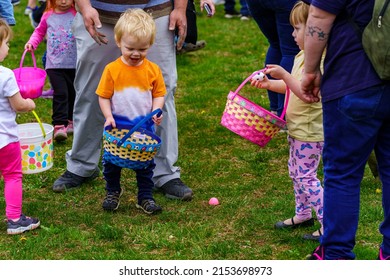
{"x": 307, "y": 223}
{"x": 311, "y": 236}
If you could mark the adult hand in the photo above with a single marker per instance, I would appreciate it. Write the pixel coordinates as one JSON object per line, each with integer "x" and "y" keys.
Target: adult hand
{"x": 210, "y": 3}
{"x": 178, "y": 19}
{"x": 310, "y": 87}
{"x": 92, "y": 24}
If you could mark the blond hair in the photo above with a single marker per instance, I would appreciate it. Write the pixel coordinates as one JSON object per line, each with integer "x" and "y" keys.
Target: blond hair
{"x": 137, "y": 23}
{"x": 299, "y": 13}
{"x": 5, "y": 31}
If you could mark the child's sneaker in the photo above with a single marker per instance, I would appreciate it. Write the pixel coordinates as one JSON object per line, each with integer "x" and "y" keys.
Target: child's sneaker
{"x": 382, "y": 256}
{"x": 50, "y": 92}
{"x": 111, "y": 201}
{"x": 60, "y": 133}
{"x": 149, "y": 206}
{"x": 29, "y": 10}
{"x": 245, "y": 18}
{"x": 318, "y": 254}
{"x": 23, "y": 224}
{"x": 69, "y": 128}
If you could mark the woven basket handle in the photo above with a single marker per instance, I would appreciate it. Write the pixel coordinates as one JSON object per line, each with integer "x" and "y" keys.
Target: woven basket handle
{"x": 141, "y": 122}
{"x": 22, "y": 60}
{"x": 254, "y": 74}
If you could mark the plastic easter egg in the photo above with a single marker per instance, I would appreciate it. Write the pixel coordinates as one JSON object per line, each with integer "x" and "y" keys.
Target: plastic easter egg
{"x": 213, "y": 201}
{"x": 258, "y": 77}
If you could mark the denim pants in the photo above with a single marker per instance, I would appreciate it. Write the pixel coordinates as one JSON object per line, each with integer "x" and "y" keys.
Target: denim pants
{"x": 230, "y": 4}
{"x": 112, "y": 175}
{"x": 273, "y": 19}
{"x": 7, "y": 12}
{"x": 354, "y": 125}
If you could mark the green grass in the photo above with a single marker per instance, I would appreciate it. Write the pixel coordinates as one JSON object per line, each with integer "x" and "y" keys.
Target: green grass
{"x": 251, "y": 183}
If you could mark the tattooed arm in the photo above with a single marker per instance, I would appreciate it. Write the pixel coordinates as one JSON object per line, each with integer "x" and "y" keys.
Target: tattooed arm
{"x": 318, "y": 27}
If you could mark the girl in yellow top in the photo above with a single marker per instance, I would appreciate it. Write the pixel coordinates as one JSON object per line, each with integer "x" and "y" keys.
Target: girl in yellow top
{"x": 305, "y": 133}
{"x": 130, "y": 88}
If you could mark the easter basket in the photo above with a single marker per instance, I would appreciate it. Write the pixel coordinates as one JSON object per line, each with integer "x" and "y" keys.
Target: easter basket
{"x": 31, "y": 80}
{"x": 36, "y": 144}
{"x": 250, "y": 120}
{"x": 131, "y": 147}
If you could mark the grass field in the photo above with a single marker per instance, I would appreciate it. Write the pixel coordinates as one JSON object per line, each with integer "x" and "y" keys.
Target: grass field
{"x": 251, "y": 183}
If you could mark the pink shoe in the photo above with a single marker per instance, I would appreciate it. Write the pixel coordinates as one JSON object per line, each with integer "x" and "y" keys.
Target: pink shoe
{"x": 60, "y": 133}
{"x": 69, "y": 128}
{"x": 382, "y": 256}
{"x": 318, "y": 254}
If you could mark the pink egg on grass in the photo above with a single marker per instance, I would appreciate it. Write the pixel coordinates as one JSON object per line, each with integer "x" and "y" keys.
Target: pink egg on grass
{"x": 213, "y": 201}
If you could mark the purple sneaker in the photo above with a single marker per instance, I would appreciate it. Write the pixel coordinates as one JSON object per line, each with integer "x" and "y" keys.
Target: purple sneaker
{"x": 23, "y": 224}
{"x": 48, "y": 93}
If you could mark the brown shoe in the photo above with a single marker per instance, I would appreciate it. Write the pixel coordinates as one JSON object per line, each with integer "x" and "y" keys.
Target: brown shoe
{"x": 188, "y": 47}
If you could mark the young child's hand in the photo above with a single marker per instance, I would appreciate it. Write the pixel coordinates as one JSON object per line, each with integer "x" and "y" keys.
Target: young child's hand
{"x": 28, "y": 47}
{"x": 157, "y": 120}
{"x": 30, "y": 104}
{"x": 110, "y": 121}
{"x": 265, "y": 83}
{"x": 20, "y": 104}
{"x": 275, "y": 71}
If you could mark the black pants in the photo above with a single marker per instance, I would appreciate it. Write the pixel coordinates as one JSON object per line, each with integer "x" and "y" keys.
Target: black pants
{"x": 61, "y": 81}
{"x": 112, "y": 175}
{"x": 192, "y": 29}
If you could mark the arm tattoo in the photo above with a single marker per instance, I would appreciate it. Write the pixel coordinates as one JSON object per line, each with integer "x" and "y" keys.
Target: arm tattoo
{"x": 314, "y": 31}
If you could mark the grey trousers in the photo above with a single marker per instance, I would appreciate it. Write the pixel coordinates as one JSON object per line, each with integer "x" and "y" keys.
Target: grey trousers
{"x": 83, "y": 158}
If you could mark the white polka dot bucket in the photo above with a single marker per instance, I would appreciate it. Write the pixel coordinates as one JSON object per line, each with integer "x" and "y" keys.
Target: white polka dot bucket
{"x": 36, "y": 142}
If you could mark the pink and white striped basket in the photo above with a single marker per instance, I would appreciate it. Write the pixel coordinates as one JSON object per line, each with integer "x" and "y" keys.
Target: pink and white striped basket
{"x": 250, "y": 120}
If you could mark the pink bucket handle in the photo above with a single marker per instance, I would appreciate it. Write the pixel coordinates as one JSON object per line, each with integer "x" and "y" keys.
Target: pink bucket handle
{"x": 22, "y": 60}
{"x": 254, "y": 74}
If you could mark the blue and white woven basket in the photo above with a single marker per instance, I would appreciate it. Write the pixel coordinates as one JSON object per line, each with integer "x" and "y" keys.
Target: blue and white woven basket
{"x": 131, "y": 148}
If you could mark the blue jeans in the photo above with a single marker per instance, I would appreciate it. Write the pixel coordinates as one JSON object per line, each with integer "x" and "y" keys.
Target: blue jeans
{"x": 7, "y": 12}
{"x": 230, "y": 4}
{"x": 273, "y": 19}
{"x": 353, "y": 126}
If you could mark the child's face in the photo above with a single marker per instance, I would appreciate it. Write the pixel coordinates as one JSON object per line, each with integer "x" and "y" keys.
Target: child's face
{"x": 63, "y": 5}
{"x": 4, "y": 49}
{"x": 133, "y": 50}
{"x": 299, "y": 34}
